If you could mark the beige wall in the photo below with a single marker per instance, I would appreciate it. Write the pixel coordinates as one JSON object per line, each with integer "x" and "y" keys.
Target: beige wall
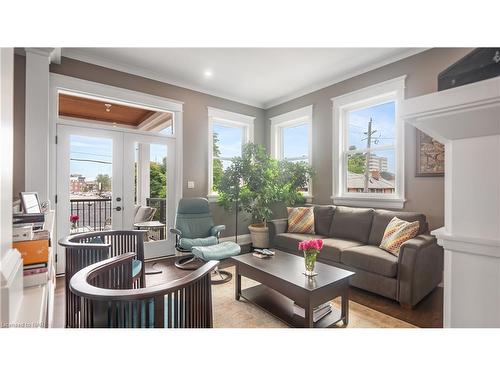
{"x": 423, "y": 194}
{"x": 195, "y": 121}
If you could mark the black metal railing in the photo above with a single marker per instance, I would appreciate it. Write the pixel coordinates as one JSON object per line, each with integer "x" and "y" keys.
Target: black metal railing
{"x": 93, "y": 213}
{"x": 161, "y": 208}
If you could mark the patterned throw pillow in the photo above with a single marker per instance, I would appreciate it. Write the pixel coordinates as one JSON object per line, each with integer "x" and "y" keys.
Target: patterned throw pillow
{"x": 300, "y": 220}
{"x": 397, "y": 232}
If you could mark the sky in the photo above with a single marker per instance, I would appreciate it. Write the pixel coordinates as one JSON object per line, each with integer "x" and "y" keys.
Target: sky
{"x": 98, "y": 155}
{"x": 383, "y": 121}
{"x": 230, "y": 141}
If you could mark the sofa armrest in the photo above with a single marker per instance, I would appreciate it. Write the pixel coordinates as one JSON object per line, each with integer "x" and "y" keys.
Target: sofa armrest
{"x": 420, "y": 268}
{"x": 276, "y": 227}
{"x": 215, "y": 230}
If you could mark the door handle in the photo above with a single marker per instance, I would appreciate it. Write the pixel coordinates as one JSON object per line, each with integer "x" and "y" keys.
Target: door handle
{"x": 118, "y": 208}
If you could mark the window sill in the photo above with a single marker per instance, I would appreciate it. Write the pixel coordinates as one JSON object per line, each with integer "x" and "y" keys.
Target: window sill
{"x": 393, "y": 203}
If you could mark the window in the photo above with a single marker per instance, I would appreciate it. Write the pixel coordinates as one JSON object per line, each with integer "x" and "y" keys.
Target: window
{"x": 291, "y": 137}
{"x": 368, "y": 160}
{"x": 228, "y": 132}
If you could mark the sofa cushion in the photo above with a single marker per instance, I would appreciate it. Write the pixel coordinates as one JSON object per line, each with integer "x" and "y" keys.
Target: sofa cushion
{"x": 381, "y": 219}
{"x": 351, "y": 223}
{"x": 300, "y": 220}
{"x": 370, "y": 258}
{"x": 291, "y": 240}
{"x": 397, "y": 232}
{"x": 323, "y": 219}
{"x": 332, "y": 247}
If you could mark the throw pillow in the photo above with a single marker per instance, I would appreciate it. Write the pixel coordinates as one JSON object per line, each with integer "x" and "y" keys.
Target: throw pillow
{"x": 396, "y": 233}
{"x": 300, "y": 220}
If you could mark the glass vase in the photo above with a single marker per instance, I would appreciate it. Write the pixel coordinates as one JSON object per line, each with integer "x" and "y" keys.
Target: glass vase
{"x": 310, "y": 262}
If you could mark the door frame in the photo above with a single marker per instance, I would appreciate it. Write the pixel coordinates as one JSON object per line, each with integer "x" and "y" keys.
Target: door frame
{"x": 61, "y": 83}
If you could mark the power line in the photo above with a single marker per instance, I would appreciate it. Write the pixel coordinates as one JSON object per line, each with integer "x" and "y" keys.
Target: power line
{"x": 92, "y": 161}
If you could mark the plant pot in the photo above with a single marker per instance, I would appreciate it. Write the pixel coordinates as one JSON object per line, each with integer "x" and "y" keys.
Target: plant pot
{"x": 260, "y": 235}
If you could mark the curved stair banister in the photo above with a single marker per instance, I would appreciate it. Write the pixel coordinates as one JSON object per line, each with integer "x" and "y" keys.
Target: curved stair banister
{"x": 88, "y": 248}
{"x": 107, "y": 300}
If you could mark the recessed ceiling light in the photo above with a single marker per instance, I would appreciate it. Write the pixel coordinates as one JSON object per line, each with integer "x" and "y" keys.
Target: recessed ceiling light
{"x": 208, "y": 73}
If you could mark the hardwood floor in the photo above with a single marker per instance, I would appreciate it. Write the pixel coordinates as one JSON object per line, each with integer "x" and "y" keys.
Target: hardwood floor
{"x": 366, "y": 309}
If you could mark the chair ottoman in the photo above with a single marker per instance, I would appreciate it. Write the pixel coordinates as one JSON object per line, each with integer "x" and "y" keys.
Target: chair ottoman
{"x": 220, "y": 251}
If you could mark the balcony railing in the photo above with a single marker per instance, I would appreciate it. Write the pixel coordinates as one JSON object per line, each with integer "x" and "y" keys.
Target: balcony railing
{"x": 93, "y": 213}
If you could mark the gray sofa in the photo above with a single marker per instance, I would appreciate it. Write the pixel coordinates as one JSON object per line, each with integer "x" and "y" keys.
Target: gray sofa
{"x": 351, "y": 237}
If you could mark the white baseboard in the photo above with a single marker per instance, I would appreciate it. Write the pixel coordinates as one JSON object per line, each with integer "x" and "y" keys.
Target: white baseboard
{"x": 243, "y": 239}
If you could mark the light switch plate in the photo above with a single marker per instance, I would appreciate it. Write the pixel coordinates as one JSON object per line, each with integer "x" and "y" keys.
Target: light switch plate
{"x": 190, "y": 184}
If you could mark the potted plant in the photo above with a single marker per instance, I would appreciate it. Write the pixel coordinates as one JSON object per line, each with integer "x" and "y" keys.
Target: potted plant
{"x": 254, "y": 181}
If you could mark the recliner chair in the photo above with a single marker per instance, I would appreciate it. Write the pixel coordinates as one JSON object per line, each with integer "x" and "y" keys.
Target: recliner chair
{"x": 194, "y": 226}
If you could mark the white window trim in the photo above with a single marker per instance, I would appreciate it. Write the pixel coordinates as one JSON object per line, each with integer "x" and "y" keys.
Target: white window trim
{"x": 389, "y": 90}
{"x": 230, "y": 119}
{"x": 288, "y": 120}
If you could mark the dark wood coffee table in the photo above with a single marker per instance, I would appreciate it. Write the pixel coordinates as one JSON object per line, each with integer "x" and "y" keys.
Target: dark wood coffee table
{"x": 282, "y": 282}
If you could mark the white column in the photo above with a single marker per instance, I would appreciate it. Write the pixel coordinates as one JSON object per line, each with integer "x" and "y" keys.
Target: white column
{"x": 467, "y": 120}
{"x": 37, "y": 121}
{"x": 143, "y": 166}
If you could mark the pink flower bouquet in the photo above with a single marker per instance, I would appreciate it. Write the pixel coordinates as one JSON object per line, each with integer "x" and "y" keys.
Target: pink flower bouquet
{"x": 74, "y": 219}
{"x": 311, "y": 249}
{"x": 311, "y": 245}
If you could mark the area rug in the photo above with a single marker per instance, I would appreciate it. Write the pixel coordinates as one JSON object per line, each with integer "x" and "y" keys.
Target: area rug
{"x": 229, "y": 313}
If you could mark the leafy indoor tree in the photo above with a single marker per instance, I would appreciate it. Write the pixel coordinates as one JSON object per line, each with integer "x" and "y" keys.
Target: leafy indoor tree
{"x": 292, "y": 180}
{"x": 255, "y": 181}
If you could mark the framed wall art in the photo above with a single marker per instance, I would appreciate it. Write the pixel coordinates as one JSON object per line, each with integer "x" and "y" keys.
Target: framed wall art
{"x": 430, "y": 156}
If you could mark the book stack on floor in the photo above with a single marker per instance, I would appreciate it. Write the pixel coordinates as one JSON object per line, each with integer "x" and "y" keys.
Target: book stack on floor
{"x": 318, "y": 312}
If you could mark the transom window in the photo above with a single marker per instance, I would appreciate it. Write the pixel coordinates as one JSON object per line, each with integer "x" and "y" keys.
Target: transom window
{"x": 228, "y": 132}
{"x": 291, "y": 137}
{"x": 368, "y": 135}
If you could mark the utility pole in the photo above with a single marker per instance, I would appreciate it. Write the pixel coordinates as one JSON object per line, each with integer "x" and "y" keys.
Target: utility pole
{"x": 367, "y": 163}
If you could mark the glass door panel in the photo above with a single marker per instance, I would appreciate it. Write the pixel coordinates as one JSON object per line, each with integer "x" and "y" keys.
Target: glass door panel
{"x": 89, "y": 182}
{"x": 148, "y": 204}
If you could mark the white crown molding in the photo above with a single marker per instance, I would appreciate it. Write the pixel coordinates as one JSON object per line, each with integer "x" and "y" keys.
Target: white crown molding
{"x": 342, "y": 77}
{"x": 298, "y": 114}
{"x": 130, "y": 69}
{"x": 228, "y": 115}
{"x": 80, "y": 55}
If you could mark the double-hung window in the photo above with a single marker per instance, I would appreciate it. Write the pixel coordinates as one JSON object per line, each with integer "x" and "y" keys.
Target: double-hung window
{"x": 291, "y": 137}
{"x": 228, "y": 132}
{"x": 368, "y": 157}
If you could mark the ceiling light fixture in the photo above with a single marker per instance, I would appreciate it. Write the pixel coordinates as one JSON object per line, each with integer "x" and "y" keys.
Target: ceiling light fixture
{"x": 208, "y": 73}
{"x": 108, "y": 107}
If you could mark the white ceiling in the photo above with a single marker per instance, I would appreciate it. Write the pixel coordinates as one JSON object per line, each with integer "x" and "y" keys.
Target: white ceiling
{"x": 262, "y": 77}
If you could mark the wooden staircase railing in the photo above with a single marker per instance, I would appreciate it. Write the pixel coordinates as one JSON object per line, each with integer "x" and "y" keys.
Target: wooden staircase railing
{"x": 107, "y": 299}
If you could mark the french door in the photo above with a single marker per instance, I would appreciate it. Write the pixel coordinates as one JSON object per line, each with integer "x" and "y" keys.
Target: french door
{"x": 105, "y": 176}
